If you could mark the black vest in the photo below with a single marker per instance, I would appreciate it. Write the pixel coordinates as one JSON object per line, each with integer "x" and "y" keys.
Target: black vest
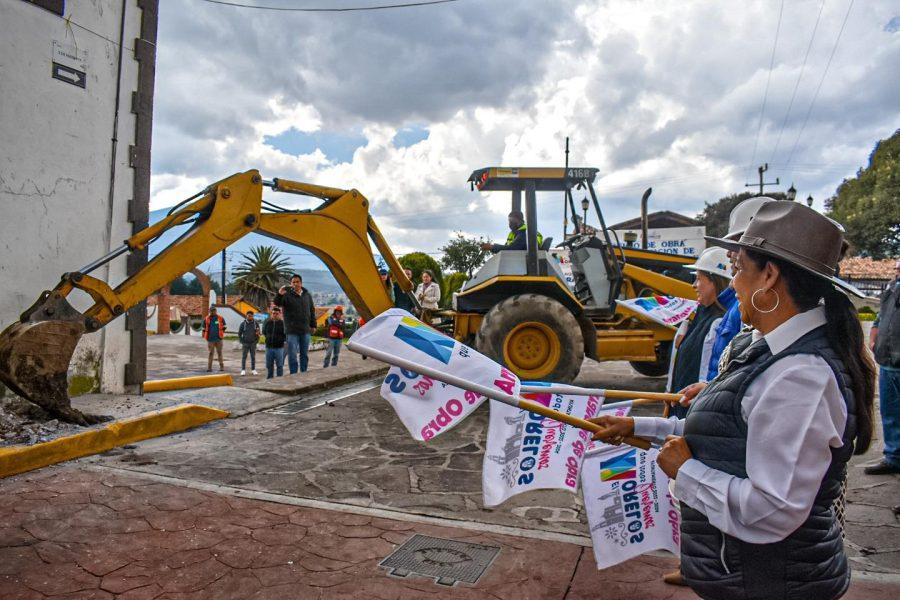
{"x": 810, "y": 562}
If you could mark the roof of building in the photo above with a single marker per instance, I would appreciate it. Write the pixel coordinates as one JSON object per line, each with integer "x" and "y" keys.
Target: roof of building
{"x": 661, "y": 219}
{"x": 858, "y": 267}
{"x": 193, "y": 304}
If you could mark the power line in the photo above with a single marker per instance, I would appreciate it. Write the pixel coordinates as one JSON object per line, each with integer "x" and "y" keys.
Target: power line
{"x": 762, "y": 111}
{"x": 821, "y": 81}
{"x": 797, "y": 85}
{"x": 331, "y": 10}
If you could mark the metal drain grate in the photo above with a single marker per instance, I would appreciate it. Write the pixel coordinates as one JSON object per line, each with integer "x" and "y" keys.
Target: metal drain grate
{"x": 447, "y": 561}
{"x": 327, "y": 397}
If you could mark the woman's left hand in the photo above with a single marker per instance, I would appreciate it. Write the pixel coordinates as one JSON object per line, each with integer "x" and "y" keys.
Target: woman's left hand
{"x": 674, "y": 453}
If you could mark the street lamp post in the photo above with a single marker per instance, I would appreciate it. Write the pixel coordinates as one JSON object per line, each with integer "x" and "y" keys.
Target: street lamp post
{"x": 791, "y": 193}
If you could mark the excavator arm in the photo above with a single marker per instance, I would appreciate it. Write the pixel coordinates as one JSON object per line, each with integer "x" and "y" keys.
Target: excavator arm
{"x": 36, "y": 350}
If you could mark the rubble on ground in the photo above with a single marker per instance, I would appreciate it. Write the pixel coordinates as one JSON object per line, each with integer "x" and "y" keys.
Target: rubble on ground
{"x": 24, "y": 423}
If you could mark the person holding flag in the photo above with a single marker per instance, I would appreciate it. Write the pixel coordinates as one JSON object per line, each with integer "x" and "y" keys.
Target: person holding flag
{"x": 763, "y": 451}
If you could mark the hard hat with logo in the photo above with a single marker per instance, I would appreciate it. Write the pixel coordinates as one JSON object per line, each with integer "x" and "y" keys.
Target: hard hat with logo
{"x": 338, "y": 308}
{"x": 742, "y": 214}
{"x": 713, "y": 261}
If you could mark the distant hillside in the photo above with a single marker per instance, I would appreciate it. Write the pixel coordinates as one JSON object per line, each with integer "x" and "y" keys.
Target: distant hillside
{"x": 316, "y": 275}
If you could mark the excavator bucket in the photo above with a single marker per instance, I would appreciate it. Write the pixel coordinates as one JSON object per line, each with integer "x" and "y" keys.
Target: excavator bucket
{"x": 35, "y": 353}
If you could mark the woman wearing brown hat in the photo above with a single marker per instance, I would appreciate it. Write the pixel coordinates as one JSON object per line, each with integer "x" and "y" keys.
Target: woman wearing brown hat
{"x": 764, "y": 448}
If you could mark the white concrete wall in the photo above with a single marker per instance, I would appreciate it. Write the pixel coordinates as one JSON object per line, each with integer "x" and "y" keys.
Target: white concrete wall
{"x": 55, "y": 149}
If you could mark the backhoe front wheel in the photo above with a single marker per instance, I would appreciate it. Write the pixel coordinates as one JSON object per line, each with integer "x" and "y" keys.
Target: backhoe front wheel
{"x": 534, "y": 336}
{"x": 660, "y": 366}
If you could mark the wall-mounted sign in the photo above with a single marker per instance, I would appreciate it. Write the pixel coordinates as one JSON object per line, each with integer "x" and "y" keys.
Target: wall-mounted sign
{"x": 69, "y": 75}
{"x": 684, "y": 241}
{"x": 69, "y": 64}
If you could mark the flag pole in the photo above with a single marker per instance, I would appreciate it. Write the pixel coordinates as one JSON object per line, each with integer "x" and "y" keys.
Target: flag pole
{"x": 559, "y": 388}
{"x": 487, "y": 392}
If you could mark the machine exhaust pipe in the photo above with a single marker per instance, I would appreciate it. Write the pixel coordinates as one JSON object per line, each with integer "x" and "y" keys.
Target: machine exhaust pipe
{"x": 644, "y": 219}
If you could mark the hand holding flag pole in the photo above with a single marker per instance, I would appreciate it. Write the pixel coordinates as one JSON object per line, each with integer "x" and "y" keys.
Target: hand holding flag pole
{"x": 488, "y": 392}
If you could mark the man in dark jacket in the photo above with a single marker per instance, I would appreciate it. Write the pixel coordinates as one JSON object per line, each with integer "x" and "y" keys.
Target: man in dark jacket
{"x": 885, "y": 339}
{"x": 299, "y": 321}
{"x": 248, "y": 334}
{"x": 273, "y": 329}
{"x": 401, "y": 298}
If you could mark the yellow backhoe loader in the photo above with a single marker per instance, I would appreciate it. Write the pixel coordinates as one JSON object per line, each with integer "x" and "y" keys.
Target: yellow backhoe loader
{"x": 521, "y": 309}
{"x": 35, "y": 351}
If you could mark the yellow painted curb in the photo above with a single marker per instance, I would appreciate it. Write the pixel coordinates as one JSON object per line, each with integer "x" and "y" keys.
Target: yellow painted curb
{"x": 19, "y": 459}
{"x": 183, "y": 383}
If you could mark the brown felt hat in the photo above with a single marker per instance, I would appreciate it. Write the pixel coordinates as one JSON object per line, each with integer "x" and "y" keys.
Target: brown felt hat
{"x": 797, "y": 234}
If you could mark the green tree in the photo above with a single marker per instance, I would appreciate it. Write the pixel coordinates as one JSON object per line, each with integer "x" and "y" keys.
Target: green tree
{"x": 868, "y": 206}
{"x": 463, "y": 254}
{"x": 453, "y": 281}
{"x": 418, "y": 262}
{"x": 715, "y": 215}
{"x": 260, "y": 273}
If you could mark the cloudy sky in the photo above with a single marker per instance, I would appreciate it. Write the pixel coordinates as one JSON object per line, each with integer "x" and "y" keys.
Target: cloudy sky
{"x": 404, "y": 104}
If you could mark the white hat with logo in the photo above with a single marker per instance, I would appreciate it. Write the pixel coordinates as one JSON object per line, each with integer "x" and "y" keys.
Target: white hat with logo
{"x": 713, "y": 261}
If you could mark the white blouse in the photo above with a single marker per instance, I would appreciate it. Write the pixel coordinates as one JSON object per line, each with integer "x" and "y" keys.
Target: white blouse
{"x": 795, "y": 414}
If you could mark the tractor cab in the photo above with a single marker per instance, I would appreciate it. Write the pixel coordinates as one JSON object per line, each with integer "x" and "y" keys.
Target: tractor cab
{"x": 595, "y": 268}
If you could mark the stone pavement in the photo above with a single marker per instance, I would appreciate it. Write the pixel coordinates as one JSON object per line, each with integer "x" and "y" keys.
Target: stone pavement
{"x": 73, "y": 532}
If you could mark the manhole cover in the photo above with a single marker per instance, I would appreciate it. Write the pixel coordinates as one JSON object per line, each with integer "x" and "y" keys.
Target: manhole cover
{"x": 447, "y": 561}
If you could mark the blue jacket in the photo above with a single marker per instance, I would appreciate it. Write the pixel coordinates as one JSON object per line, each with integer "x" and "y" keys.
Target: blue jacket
{"x": 728, "y": 327}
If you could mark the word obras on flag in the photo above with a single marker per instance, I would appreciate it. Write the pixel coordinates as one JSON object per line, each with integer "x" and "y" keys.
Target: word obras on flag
{"x": 527, "y": 451}
{"x": 428, "y": 407}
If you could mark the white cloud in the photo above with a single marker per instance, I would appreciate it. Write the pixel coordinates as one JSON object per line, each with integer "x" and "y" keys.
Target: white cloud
{"x": 655, "y": 94}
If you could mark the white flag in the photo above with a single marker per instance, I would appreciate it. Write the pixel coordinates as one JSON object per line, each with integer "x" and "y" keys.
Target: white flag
{"x": 425, "y": 406}
{"x": 666, "y": 310}
{"x": 629, "y": 508}
{"x": 526, "y": 451}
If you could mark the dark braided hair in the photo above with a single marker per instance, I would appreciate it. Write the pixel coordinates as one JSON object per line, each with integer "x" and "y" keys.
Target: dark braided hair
{"x": 844, "y": 333}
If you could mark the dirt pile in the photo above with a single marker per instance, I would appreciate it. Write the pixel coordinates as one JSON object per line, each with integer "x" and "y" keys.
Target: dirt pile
{"x": 25, "y": 423}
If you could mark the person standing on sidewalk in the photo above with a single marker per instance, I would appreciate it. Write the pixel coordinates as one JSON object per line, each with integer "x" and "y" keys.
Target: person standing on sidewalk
{"x": 276, "y": 337}
{"x": 885, "y": 342}
{"x": 299, "y": 321}
{"x": 214, "y": 333}
{"x": 401, "y": 298}
{"x": 429, "y": 294}
{"x": 248, "y": 334}
{"x": 334, "y": 327}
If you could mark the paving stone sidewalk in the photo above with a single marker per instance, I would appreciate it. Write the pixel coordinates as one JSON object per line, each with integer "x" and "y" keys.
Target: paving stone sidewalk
{"x": 77, "y": 532}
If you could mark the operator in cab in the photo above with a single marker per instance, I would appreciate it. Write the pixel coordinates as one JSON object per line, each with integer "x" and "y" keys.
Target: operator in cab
{"x": 516, "y": 240}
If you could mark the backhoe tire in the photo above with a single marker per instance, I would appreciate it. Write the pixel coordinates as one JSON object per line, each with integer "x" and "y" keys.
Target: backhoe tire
{"x": 657, "y": 368}
{"x": 534, "y": 336}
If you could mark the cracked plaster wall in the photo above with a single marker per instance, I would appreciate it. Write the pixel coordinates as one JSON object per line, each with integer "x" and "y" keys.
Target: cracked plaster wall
{"x": 55, "y": 148}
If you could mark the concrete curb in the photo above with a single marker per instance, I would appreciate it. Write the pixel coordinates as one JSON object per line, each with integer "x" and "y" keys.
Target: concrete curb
{"x": 317, "y": 386}
{"x": 183, "y": 383}
{"x": 19, "y": 459}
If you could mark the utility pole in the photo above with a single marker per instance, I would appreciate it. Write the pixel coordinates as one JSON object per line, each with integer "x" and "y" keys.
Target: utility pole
{"x": 566, "y": 192}
{"x": 223, "y": 278}
{"x": 762, "y": 169}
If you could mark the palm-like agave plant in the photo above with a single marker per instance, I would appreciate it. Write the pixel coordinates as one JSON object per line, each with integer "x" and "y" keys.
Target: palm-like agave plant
{"x": 260, "y": 274}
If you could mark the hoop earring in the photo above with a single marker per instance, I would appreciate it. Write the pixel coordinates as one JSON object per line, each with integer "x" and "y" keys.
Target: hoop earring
{"x": 758, "y": 309}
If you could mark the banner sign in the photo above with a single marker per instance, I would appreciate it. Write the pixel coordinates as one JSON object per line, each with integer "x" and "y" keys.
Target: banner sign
{"x": 666, "y": 310}
{"x": 427, "y": 407}
{"x": 629, "y": 508}
{"x": 526, "y": 451}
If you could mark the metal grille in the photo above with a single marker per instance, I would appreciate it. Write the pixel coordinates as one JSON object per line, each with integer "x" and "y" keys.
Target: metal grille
{"x": 447, "y": 561}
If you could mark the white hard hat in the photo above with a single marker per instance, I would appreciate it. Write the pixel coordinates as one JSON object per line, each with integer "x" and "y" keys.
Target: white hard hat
{"x": 742, "y": 214}
{"x": 713, "y": 261}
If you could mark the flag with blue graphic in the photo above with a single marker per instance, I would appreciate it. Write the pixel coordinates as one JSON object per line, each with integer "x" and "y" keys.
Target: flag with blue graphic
{"x": 630, "y": 509}
{"x": 425, "y": 406}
